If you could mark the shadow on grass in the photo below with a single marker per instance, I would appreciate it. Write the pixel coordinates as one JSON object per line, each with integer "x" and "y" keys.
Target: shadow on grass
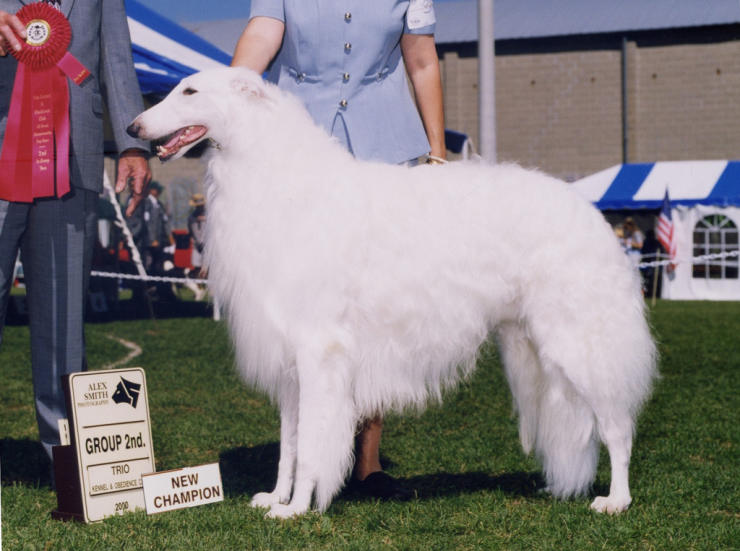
{"x": 124, "y": 310}
{"x": 24, "y": 462}
{"x": 246, "y": 471}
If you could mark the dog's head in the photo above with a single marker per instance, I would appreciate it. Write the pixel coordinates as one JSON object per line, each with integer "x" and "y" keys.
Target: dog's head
{"x": 203, "y": 105}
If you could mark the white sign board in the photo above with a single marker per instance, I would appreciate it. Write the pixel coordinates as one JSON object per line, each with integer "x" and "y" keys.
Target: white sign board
{"x": 180, "y": 488}
{"x": 112, "y": 438}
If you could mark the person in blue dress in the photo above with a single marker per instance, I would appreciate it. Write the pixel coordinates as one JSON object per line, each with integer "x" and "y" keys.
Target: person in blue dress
{"x": 348, "y": 60}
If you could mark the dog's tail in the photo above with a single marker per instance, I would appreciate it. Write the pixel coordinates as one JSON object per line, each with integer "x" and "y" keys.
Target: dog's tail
{"x": 553, "y": 420}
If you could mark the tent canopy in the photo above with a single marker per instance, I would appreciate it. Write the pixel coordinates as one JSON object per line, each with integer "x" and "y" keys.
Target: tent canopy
{"x": 643, "y": 186}
{"x": 165, "y": 53}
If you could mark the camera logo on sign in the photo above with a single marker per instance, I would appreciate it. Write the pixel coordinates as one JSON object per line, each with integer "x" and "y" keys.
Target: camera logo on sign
{"x": 127, "y": 393}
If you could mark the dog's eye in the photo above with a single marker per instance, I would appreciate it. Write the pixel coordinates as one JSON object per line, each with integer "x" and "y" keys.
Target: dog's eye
{"x": 189, "y": 91}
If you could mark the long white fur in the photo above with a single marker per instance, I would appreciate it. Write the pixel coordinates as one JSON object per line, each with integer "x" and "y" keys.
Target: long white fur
{"x": 354, "y": 288}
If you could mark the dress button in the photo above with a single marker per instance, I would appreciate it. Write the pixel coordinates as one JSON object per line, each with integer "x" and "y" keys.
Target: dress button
{"x": 348, "y": 16}
{"x": 345, "y": 77}
{"x": 301, "y": 77}
{"x": 347, "y": 46}
{"x": 343, "y": 103}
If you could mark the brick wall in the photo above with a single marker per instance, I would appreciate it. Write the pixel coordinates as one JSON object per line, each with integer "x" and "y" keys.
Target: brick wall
{"x": 559, "y": 102}
{"x": 688, "y": 102}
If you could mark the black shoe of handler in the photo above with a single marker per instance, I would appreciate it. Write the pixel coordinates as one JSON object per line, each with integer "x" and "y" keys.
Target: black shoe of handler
{"x": 383, "y": 486}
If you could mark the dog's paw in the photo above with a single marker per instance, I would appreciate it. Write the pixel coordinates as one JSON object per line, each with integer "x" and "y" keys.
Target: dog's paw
{"x": 610, "y": 504}
{"x": 265, "y": 500}
{"x": 285, "y": 511}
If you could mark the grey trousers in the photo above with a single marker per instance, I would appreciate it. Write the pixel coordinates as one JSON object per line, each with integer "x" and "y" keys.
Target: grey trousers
{"x": 56, "y": 238}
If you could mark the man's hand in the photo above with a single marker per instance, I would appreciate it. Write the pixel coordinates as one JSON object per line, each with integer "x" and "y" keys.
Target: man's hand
{"x": 10, "y": 29}
{"x": 133, "y": 170}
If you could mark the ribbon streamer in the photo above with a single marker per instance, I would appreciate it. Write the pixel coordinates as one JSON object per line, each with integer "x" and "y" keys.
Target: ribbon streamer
{"x": 35, "y": 155}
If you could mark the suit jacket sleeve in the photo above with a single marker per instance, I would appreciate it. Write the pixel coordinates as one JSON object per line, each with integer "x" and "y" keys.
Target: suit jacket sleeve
{"x": 121, "y": 87}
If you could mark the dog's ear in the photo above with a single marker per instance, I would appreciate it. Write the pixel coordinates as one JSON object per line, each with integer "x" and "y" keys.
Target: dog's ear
{"x": 249, "y": 87}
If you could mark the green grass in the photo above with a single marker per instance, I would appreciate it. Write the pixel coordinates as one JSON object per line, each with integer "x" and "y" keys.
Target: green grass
{"x": 476, "y": 488}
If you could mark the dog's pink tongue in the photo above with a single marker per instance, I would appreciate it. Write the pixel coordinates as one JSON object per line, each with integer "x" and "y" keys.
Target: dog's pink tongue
{"x": 175, "y": 138}
{"x": 179, "y": 139}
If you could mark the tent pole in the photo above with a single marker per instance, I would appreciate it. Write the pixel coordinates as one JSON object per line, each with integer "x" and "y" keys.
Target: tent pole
{"x": 121, "y": 222}
{"x": 656, "y": 269}
{"x": 486, "y": 82}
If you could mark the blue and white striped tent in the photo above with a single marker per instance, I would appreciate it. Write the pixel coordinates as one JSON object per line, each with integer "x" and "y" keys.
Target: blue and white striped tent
{"x": 643, "y": 186}
{"x": 705, "y": 209}
{"x": 164, "y": 52}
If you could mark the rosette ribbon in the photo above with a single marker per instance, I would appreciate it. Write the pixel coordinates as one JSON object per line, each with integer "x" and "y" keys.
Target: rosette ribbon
{"x": 35, "y": 155}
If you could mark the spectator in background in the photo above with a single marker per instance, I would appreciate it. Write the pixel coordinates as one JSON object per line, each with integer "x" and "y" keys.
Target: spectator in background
{"x": 632, "y": 236}
{"x": 150, "y": 228}
{"x": 196, "y": 229}
{"x": 632, "y": 240}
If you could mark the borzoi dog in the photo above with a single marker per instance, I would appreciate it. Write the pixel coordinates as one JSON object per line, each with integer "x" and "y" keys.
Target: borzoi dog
{"x": 354, "y": 288}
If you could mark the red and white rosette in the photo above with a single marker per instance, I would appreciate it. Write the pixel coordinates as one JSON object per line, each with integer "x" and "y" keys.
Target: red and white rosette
{"x": 35, "y": 155}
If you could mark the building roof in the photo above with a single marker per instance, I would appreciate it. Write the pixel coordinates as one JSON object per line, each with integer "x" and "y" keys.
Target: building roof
{"x": 513, "y": 19}
{"x": 518, "y": 19}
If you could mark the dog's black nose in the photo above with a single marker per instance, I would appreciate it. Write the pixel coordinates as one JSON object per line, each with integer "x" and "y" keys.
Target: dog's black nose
{"x": 133, "y": 129}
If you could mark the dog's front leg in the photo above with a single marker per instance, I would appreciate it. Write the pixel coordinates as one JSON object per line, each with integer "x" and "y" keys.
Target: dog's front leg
{"x": 326, "y": 423}
{"x": 288, "y": 440}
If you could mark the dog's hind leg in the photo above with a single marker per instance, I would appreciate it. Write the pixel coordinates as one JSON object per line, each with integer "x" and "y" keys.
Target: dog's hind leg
{"x": 616, "y": 432}
{"x": 553, "y": 419}
{"x": 288, "y": 401}
{"x": 567, "y": 443}
{"x": 326, "y": 425}
{"x": 523, "y": 371}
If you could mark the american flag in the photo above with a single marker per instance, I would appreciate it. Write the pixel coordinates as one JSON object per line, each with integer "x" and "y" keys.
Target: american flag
{"x": 665, "y": 228}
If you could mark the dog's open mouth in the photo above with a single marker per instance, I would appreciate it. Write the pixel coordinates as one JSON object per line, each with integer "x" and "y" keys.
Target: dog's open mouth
{"x": 181, "y": 138}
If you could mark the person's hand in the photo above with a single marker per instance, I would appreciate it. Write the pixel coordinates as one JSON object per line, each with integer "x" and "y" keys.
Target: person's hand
{"x": 436, "y": 159}
{"x": 154, "y": 244}
{"x": 10, "y": 29}
{"x": 133, "y": 170}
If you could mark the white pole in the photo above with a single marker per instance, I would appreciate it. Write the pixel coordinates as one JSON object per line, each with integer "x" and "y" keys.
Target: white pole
{"x": 486, "y": 81}
{"x": 121, "y": 223}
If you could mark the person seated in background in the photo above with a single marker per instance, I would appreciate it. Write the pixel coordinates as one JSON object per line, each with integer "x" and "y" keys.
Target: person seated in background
{"x": 632, "y": 237}
{"x": 632, "y": 240}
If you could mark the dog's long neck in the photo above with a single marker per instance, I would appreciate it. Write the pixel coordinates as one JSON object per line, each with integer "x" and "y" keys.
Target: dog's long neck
{"x": 283, "y": 131}
{"x": 276, "y": 160}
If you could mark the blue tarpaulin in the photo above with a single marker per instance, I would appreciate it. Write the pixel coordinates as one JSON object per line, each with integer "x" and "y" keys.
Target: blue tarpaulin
{"x": 643, "y": 185}
{"x": 164, "y": 52}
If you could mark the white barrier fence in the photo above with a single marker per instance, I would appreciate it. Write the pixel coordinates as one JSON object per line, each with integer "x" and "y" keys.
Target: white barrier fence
{"x": 145, "y": 277}
{"x": 649, "y": 264}
{"x": 694, "y": 260}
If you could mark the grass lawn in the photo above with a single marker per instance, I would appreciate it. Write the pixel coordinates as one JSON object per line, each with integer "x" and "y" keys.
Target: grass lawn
{"x": 476, "y": 489}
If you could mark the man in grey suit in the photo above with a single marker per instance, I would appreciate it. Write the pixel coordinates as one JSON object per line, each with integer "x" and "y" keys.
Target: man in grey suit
{"x": 56, "y": 235}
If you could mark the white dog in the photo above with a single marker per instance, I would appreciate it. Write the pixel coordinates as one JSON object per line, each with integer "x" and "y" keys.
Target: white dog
{"x": 354, "y": 288}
